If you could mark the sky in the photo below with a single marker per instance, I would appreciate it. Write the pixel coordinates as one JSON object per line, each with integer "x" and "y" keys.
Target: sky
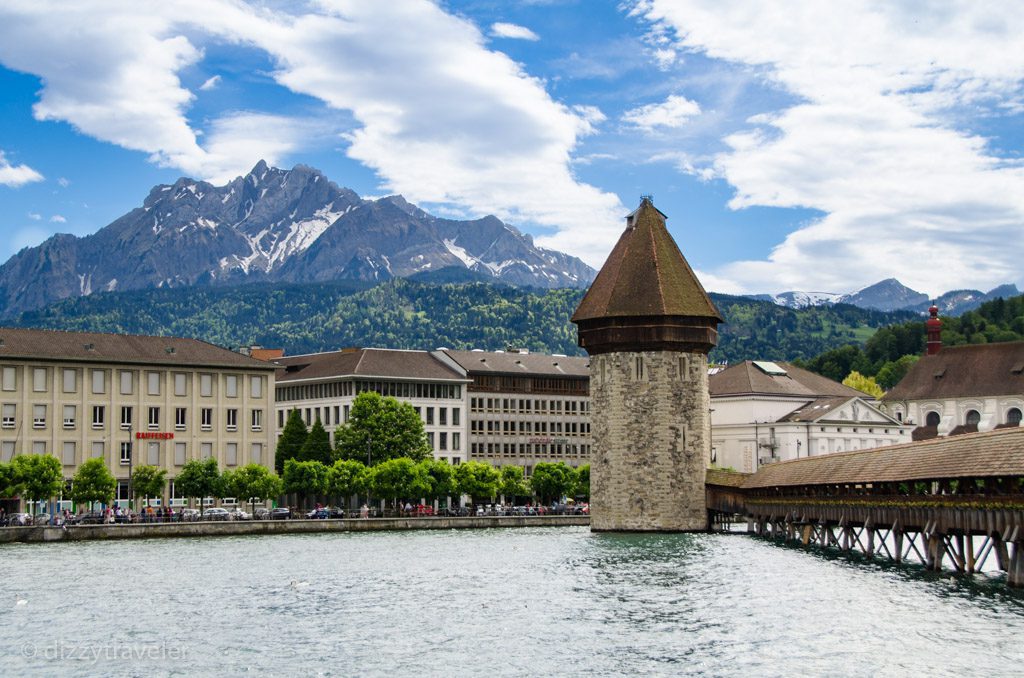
{"x": 794, "y": 146}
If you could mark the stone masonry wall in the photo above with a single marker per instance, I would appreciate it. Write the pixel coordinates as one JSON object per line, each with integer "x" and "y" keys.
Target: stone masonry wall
{"x": 651, "y": 441}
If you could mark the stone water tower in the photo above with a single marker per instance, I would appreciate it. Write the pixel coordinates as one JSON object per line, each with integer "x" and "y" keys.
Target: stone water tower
{"x": 648, "y": 325}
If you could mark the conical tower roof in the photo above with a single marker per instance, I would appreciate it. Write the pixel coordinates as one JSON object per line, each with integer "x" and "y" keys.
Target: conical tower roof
{"x": 646, "y": 296}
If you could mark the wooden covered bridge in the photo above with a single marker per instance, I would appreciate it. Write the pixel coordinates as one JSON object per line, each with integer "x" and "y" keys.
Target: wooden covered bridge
{"x": 956, "y": 500}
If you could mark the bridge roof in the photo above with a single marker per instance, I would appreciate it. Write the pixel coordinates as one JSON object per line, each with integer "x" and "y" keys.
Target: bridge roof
{"x": 975, "y": 455}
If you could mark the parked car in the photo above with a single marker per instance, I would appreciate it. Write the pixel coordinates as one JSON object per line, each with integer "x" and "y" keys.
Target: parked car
{"x": 262, "y": 513}
{"x": 90, "y": 518}
{"x": 216, "y": 513}
{"x": 326, "y": 512}
{"x": 187, "y": 515}
{"x": 19, "y": 519}
{"x": 280, "y": 513}
{"x": 238, "y": 514}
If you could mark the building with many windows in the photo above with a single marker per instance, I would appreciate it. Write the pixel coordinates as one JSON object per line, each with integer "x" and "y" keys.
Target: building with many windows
{"x": 324, "y": 385}
{"x": 132, "y": 400}
{"x": 527, "y": 408}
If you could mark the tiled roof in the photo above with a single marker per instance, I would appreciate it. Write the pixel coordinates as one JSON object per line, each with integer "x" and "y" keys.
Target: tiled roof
{"x": 645, "y": 275}
{"x": 480, "y": 362}
{"x": 367, "y": 362}
{"x": 994, "y": 453}
{"x": 716, "y": 476}
{"x": 747, "y": 379}
{"x": 965, "y": 371}
{"x": 32, "y": 344}
{"x": 816, "y": 410}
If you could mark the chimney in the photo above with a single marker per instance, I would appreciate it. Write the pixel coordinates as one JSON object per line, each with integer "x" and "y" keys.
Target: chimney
{"x": 934, "y": 326}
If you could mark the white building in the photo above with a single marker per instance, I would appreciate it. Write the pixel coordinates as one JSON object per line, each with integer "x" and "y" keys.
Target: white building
{"x": 961, "y": 389}
{"x": 762, "y": 412}
{"x": 324, "y": 385}
{"x": 526, "y": 408}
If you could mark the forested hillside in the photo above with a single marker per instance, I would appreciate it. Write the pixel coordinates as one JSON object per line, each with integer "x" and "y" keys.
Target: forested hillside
{"x": 406, "y": 314}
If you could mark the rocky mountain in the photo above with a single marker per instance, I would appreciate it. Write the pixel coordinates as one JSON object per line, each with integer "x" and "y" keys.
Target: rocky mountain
{"x": 274, "y": 225}
{"x": 887, "y": 295}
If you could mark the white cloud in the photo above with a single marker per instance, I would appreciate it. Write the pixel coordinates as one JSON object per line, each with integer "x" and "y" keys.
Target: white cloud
{"x": 210, "y": 83}
{"x": 64, "y": 182}
{"x": 58, "y": 219}
{"x": 34, "y": 216}
{"x": 16, "y": 175}
{"x": 875, "y": 141}
{"x": 501, "y": 29}
{"x": 440, "y": 117}
{"x": 674, "y": 112}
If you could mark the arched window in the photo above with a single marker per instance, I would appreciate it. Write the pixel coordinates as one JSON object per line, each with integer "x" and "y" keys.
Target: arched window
{"x": 1013, "y": 416}
{"x": 932, "y": 419}
{"x": 973, "y": 418}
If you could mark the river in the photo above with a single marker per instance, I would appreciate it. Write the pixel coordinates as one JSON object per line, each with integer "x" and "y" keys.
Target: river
{"x": 521, "y": 602}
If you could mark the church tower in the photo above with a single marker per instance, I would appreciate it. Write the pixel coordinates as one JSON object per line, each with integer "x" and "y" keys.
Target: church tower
{"x": 648, "y": 325}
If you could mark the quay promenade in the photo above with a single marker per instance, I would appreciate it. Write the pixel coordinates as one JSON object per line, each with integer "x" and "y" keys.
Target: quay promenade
{"x": 255, "y": 527}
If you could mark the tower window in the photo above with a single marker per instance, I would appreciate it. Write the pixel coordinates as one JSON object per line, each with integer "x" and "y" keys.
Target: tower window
{"x": 639, "y": 368}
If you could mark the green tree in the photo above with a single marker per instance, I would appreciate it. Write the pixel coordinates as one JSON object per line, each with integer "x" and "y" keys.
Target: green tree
{"x": 583, "y": 482}
{"x": 10, "y": 485}
{"x": 552, "y": 481}
{"x": 198, "y": 480}
{"x": 39, "y": 475}
{"x": 477, "y": 479}
{"x": 254, "y": 482}
{"x": 93, "y": 482}
{"x": 149, "y": 481}
{"x": 388, "y": 428}
{"x": 346, "y": 477}
{"x": 863, "y": 384}
{"x": 513, "y": 483}
{"x": 441, "y": 477}
{"x": 893, "y": 371}
{"x": 317, "y": 446}
{"x": 304, "y": 478}
{"x": 400, "y": 478}
{"x": 291, "y": 440}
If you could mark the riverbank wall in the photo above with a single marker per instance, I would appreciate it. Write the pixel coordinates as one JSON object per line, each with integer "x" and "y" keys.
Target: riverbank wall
{"x": 266, "y": 527}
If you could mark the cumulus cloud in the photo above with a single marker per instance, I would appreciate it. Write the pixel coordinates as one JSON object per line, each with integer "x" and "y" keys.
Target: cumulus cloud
{"x": 675, "y": 111}
{"x": 58, "y": 219}
{"x": 877, "y": 139}
{"x": 501, "y": 29}
{"x": 16, "y": 175}
{"x": 210, "y": 83}
{"x": 439, "y": 116}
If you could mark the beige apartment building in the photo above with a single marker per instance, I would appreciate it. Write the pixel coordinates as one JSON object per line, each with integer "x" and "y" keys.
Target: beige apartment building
{"x": 527, "y": 408}
{"x": 132, "y": 400}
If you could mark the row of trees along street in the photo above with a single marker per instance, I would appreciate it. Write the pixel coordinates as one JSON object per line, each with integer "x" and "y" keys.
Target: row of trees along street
{"x": 387, "y": 433}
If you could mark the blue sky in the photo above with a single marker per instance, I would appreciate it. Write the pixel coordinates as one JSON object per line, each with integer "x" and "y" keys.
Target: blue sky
{"x": 799, "y": 145}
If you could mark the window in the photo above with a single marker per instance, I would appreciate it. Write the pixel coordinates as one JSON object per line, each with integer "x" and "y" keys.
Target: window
{"x": 126, "y": 453}
{"x": 973, "y": 418}
{"x": 127, "y": 382}
{"x": 256, "y": 387}
{"x": 444, "y": 441}
{"x": 69, "y": 416}
{"x": 153, "y": 383}
{"x": 70, "y": 380}
{"x": 7, "y": 451}
{"x": 206, "y": 450}
{"x": 39, "y": 447}
{"x": 206, "y": 418}
{"x": 231, "y": 386}
{"x": 455, "y": 417}
{"x": 232, "y": 419}
{"x": 39, "y": 416}
{"x": 639, "y": 369}
{"x": 257, "y": 420}
{"x": 346, "y": 413}
{"x": 153, "y": 454}
{"x": 126, "y": 417}
{"x": 180, "y": 384}
{"x": 442, "y": 416}
{"x": 154, "y": 417}
{"x": 932, "y": 419}
{"x": 1013, "y": 416}
{"x": 180, "y": 418}
{"x": 69, "y": 454}
{"x": 97, "y": 449}
{"x": 39, "y": 379}
{"x": 430, "y": 440}
{"x": 99, "y": 416}
{"x": 256, "y": 456}
{"x": 430, "y": 415}
{"x": 10, "y": 411}
{"x": 99, "y": 381}
{"x": 10, "y": 381}
{"x": 231, "y": 456}
{"x": 179, "y": 454}
{"x": 206, "y": 385}
{"x": 456, "y": 439}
